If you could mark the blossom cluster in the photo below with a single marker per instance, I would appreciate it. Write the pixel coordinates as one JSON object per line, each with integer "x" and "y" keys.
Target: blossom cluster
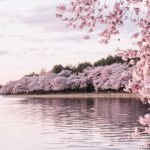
{"x": 145, "y": 121}
{"x": 102, "y": 78}
{"x": 91, "y": 13}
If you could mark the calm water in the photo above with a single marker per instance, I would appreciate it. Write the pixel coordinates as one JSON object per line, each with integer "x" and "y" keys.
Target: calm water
{"x": 69, "y": 124}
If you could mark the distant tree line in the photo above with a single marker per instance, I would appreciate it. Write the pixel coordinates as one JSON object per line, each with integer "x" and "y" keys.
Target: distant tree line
{"x": 81, "y": 66}
{"x": 109, "y": 78}
{"x": 85, "y": 77}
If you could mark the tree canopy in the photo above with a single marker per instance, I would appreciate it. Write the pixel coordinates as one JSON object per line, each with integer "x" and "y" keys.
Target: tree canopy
{"x": 82, "y": 66}
{"x": 108, "y": 61}
{"x": 57, "y": 68}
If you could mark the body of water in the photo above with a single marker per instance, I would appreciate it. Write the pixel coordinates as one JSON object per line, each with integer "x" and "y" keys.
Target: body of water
{"x": 70, "y": 124}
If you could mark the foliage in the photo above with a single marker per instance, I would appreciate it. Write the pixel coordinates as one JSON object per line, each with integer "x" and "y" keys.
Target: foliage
{"x": 82, "y": 66}
{"x": 57, "y": 68}
{"x": 71, "y": 68}
{"x": 108, "y": 61}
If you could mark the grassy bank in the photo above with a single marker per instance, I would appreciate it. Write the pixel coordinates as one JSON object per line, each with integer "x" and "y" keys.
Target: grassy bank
{"x": 81, "y": 95}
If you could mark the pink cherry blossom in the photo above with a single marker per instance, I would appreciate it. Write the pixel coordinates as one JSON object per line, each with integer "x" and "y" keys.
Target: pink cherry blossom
{"x": 99, "y": 78}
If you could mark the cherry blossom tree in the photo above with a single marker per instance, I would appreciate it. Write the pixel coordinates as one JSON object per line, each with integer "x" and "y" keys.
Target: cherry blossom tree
{"x": 7, "y": 89}
{"x": 21, "y": 86}
{"x": 104, "y": 77}
{"x": 73, "y": 82}
{"x": 111, "y": 16}
{"x": 96, "y": 78}
{"x": 85, "y": 82}
{"x": 37, "y": 84}
{"x": 65, "y": 73}
{"x": 47, "y": 82}
{"x": 59, "y": 83}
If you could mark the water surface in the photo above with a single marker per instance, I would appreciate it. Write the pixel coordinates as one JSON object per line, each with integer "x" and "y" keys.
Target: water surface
{"x": 70, "y": 124}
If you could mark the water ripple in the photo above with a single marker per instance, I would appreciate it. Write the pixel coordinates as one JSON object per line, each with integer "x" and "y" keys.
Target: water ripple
{"x": 70, "y": 124}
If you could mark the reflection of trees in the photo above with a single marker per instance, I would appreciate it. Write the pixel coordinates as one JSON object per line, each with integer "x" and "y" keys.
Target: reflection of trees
{"x": 93, "y": 117}
{"x": 78, "y": 120}
{"x": 118, "y": 111}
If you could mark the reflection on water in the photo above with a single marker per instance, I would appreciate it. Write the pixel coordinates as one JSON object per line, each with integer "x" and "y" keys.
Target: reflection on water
{"x": 70, "y": 124}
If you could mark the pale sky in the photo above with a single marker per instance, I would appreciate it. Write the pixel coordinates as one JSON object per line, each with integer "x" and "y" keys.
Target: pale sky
{"x": 31, "y": 38}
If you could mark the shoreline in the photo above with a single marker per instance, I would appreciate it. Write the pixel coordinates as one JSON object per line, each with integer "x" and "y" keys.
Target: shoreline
{"x": 79, "y": 95}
